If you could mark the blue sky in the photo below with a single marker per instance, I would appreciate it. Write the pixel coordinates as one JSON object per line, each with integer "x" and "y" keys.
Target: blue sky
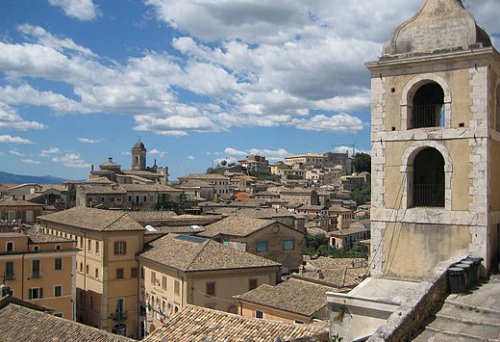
{"x": 197, "y": 81}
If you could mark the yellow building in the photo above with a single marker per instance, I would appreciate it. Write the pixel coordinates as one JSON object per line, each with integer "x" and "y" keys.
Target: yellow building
{"x": 435, "y": 144}
{"x": 107, "y": 274}
{"x": 39, "y": 268}
{"x": 180, "y": 270}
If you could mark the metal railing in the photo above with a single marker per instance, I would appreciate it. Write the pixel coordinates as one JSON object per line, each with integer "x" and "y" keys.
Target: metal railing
{"x": 119, "y": 316}
{"x": 426, "y": 115}
{"x": 428, "y": 195}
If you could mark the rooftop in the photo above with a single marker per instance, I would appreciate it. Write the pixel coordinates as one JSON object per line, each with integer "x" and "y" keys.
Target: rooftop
{"x": 21, "y": 322}
{"x": 38, "y": 237}
{"x": 294, "y": 295}
{"x": 191, "y": 254}
{"x": 197, "y": 324}
{"x": 93, "y": 219}
{"x": 236, "y": 226}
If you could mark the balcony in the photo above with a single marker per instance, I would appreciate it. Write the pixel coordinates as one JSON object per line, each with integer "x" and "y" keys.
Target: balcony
{"x": 426, "y": 116}
{"x": 428, "y": 195}
{"x": 118, "y": 316}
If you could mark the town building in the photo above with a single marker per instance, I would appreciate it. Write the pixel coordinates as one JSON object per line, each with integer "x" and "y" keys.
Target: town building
{"x": 139, "y": 173}
{"x": 255, "y": 163}
{"x": 266, "y": 238}
{"x": 293, "y": 301}
{"x": 219, "y": 182}
{"x": 314, "y": 160}
{"x": 107, "y": 271}
{"x": 180, "y": 270}
{"x": 40, "y": 268}
{"x": 15, "y": 211}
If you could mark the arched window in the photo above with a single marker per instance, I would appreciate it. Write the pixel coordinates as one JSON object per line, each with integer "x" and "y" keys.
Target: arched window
{"x": 10, "y": 247}
{"x": 428, "y": 179}
{"x": 427, "y": 106}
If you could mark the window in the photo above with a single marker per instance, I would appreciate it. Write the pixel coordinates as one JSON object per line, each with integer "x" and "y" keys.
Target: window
{"x": 177, "y": 286}
{"x": 153, "y": 277}
{"x": 252, "y": 284}
{"x": 57, "y": 290}
{"x": 288, "y": 245}
{"x": 428, "y": 179}
{"x": 97, "y": 273}
{"x": 261, "y": 246}
{"x": 119, "y": 273}
{"x": 58, "y": 264}
{"x": 142, "y": 273}
{"x": 259, "y": 314}
{"x": 87, "y": 268}
{"x": 211, "y": 289}
{"x": 36, "y": 248}
{"x": 120, "y": 247}
{"x": 35, "y": 269}
{"x": 81, "y": 267}
{"x": 164, "y": 282}
{"x": 89, "y": 245}
{"x": 58, "y": 247}
{"x": 427, "y": 106}
{"x": 97, "y": 247}
{"x": 36, "y": 293}
{"x": 10, "y": 247}
{"x": 9, "y": 270}
{"x": 133, "y": 272}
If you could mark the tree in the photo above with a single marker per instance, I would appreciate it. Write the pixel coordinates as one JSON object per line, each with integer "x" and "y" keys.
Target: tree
{"x": 362, "y": 193}
{"x": 362, "y": 162}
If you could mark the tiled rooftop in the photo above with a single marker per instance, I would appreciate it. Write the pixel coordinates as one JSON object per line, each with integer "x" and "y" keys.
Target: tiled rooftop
{"x": 149, "y": 188}
{"x": 93, "y": 219}
{"x": 294, "y": 295}
{"x": 19, "y": 323}
{"x": 38, "y": 237}
{"x": 236, "y": 226}
{"x": 190, "y": 254}
{"x": 197, "y": 324}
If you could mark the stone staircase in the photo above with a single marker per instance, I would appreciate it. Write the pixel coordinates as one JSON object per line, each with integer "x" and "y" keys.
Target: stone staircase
{"x": 467, "y": 317}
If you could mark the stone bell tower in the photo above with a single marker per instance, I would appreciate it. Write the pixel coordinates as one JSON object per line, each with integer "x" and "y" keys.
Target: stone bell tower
{"x": 138, "y": 156}
{"x": 435, "y": 144}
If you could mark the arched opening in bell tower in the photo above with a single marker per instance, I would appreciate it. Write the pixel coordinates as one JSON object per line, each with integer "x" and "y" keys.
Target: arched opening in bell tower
{"x": 428, "y": 179}
{"x": 427, "y": 106}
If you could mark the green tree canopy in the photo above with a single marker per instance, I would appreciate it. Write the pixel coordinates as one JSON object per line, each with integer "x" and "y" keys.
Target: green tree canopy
{"x": 362, "y": 162}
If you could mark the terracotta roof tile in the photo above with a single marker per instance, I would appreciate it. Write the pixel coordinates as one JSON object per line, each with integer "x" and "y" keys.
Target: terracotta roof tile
{"x": 197, "y": 324}
{"x": 19, "y": 323}
{"x": 236, "y": 226}
{"x": 294, "y": 295}
{"x": 190, "y": 254}
{"x": 94, "y": 219}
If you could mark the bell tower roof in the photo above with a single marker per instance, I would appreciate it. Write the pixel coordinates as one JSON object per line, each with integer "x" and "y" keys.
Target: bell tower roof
{"x": 440, "y": 25}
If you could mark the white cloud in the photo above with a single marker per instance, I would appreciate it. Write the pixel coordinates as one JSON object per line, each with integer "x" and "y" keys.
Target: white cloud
{"x": 50, "y": 151}
{"x": 14, "y": 140}
{"x": 72, "y": 160}
{"x": 80, "y": 9}
{"x": 16, "y": 153}
{"x": 30, "y": 161}
{"x": 272, "y": 155}
{"x": 126, "y": 153}
{"x": 349, "y": 149}
{"x": 340, "y": 123}
{"x": 9, "y": 119}
{"x": 190, "y": 158}
{"x": 157, "y": 152}
{"x": 90, "y": 141}
{"x": 235, "y": 152}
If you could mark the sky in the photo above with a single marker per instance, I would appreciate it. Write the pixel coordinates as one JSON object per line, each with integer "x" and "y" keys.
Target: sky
{"x": 197, "y": 81}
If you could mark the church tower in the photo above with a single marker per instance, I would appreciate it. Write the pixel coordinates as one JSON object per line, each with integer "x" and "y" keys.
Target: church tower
{"x": 138, "y": 157}
{"x": 435, "y": 144}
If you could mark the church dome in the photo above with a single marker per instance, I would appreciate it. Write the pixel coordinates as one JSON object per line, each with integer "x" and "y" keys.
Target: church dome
{"x": 110, "y": 165}
{"x": 440, "y": 25}
{"x": 139, "y": 145}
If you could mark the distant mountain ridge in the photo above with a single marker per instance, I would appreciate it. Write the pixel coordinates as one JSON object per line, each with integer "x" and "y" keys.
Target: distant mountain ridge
{"x": 9, "y": 178}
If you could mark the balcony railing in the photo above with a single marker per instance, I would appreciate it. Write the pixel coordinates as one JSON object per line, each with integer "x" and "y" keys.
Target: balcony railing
{"x": 428, "y": 195}
{"x": 118, "y": 316}
{"x": 426, "y": 115}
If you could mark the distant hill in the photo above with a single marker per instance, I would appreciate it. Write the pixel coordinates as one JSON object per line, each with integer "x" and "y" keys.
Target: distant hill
{"x": 9, "y": 178}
